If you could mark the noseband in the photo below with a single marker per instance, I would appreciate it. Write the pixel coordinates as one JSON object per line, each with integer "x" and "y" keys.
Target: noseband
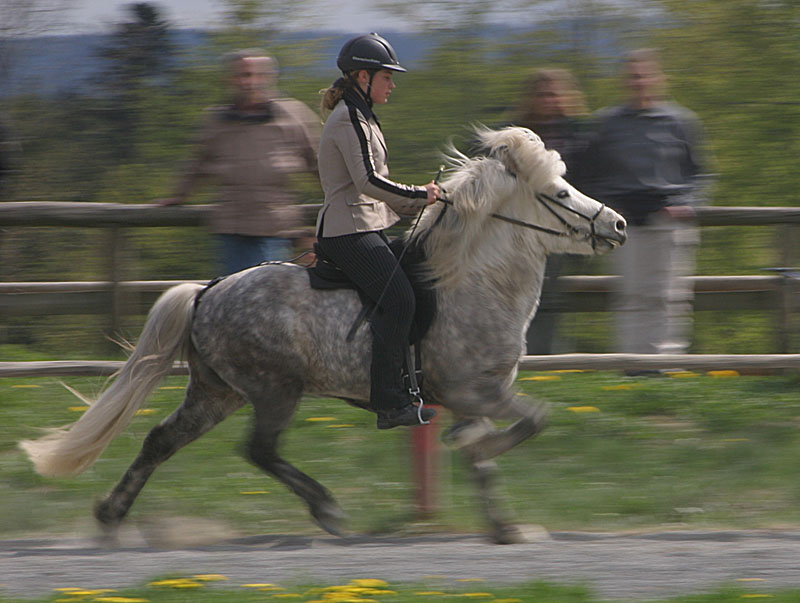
{"x": 549, "y": 201}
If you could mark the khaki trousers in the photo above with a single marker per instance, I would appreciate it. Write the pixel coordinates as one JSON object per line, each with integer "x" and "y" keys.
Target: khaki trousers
{"x": 653, "y": 299}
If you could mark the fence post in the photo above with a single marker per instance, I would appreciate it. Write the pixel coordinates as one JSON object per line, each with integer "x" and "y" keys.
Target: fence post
{"x": 788, "y": 249}
{"x": 114, "y": 250}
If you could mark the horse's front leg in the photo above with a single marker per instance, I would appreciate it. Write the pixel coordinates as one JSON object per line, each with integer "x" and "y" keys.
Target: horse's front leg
{"x": 480, "y": 440}
{"x": 502, "y": 529}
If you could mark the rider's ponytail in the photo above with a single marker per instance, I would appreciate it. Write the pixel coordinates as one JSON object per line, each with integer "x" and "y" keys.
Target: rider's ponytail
{"x": 332, "y": 95}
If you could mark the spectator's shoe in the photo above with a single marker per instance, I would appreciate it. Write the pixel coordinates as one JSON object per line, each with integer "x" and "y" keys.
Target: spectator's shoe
{"x": 404, "y": 415}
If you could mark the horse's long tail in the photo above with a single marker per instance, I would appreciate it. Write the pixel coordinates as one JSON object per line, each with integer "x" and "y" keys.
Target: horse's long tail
{"x": 74, "y": 448}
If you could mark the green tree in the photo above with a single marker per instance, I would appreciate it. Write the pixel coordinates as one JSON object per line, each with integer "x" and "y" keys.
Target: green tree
{"x": 139, "y": 63}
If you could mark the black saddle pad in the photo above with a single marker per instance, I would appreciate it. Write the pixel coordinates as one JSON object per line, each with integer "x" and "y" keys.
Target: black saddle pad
{"x": 326, "y": 275}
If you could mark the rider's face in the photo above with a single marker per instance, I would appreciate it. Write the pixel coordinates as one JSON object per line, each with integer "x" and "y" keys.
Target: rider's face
{"x": 382, "y": 85}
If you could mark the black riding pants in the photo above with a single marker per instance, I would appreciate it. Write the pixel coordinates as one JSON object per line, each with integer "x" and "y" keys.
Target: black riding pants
{"x": 368, "y": 261}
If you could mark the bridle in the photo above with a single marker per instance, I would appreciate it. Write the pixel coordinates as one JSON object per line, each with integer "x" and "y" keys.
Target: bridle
{"x": 548, "y": 202}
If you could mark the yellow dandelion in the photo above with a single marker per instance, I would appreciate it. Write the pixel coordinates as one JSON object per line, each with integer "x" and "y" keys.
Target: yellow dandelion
{"x": 476, "y": 595}
{"x": 177, "y": 583}
{"x": 260, "y": 585}
{"x": 25, "y": 386}
{"x": 723, "y": 373}
{"x": 271, "y": 589}
{"x": 366, "y": 591}
{"x": 681, "y": 374}
{"x": 571, "y": 371}
{"x": 507, "y": 601}
{"x": 78, "y": 408}
{"x": 121, "y": 600}
{"x": 542, "y": 378}
{"x": 369, "y": 582}
{"x": 82, "y": 592}
{"x": 339, "y": 425}
{"x": 67, "y": 589}
{"x": 750, "y": 579}
{"x": 756, "y": 596}
{"x": 210, "y": 577}
{"x": 471, "y": 580}
{"x": 173, "y": 387}
{"x": 320, "y": 419}
{"x": 583, "y": 409}
{"x": 248, "y": 492}
{"x": 142, "y": 412}
{"x": 620, "y": 387}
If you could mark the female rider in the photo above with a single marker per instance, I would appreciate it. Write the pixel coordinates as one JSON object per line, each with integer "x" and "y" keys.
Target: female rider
{"x": 360, "y": 202}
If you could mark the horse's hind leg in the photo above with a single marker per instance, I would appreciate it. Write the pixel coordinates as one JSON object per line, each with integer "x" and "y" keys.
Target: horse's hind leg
{"x": 263, "y": 451}
{"x": 208, "y": 401}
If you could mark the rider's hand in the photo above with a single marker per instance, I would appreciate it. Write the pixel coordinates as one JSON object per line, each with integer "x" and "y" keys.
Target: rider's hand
{"x": 434, "y": 192}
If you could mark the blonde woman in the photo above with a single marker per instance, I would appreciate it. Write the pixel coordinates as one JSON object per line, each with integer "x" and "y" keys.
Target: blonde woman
{"x": 360, "y": 203}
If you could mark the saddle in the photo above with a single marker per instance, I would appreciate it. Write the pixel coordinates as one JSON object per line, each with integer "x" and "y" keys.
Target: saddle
{"x": 327, "y": 275}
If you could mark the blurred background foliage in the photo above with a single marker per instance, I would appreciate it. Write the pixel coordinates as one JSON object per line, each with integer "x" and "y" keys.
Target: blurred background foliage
{"x": 122, "y": 136}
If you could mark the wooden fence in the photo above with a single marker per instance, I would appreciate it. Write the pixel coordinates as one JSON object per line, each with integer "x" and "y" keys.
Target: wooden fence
{"x": 775, "y": 293}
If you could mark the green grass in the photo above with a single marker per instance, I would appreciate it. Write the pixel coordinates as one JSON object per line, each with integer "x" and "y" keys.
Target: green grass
{"x": 620, "y": 453}
{"x": 198, "y": 589}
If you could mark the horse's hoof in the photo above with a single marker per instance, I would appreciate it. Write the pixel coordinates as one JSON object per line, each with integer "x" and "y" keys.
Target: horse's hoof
{"x": 541, "y": 416}
{"x": 108, "y": 535}
{"x": 330, "y": 518}
{"x": 468, "y": 432}
{"x": 515, "y": 534}
{"x": 508, "y": 534}
{"x": 108, "y": 524}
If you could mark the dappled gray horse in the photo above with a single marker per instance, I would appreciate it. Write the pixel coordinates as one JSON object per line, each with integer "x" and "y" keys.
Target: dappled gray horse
{"x": 264, "y": 337}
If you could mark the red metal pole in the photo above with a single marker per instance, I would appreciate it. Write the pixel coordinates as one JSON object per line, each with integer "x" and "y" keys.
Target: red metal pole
{"x": 426, "y": 455}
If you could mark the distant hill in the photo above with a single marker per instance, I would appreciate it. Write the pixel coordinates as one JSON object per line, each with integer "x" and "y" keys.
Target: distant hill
{"x": 50, "y": 65}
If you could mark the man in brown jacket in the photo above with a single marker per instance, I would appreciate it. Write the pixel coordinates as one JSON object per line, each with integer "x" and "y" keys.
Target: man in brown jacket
{"x": 251, "y": 148}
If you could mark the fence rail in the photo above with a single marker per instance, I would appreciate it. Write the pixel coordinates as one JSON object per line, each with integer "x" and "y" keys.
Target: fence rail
{"x": 598, "y": 362}
{"x": 66, "y": 213}
{"x": 773, "y": 293}
{"x": 582, "y": 294}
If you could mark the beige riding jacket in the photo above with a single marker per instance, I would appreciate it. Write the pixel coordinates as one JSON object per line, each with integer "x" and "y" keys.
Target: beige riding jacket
{"x": 251, "y": 157}
{"x": 359, "y": 197}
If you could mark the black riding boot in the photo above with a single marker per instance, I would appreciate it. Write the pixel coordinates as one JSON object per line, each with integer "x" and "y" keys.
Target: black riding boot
{"x": 391, "y": 401}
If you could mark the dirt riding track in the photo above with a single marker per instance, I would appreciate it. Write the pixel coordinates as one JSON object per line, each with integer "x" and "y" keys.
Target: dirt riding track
{"x": 616, "y": 566}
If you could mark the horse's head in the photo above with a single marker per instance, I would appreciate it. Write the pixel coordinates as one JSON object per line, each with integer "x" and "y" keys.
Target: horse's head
{"x": 532, "y": 190}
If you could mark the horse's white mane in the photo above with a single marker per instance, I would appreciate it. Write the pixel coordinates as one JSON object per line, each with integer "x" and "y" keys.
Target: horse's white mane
{"x": 511, "y": 164}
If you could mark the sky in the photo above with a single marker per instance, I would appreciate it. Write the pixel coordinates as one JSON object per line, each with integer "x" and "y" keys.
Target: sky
{"x": 339, "y": 15}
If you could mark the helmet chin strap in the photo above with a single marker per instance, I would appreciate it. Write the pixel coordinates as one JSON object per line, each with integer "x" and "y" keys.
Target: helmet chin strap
{"x": 369, "y": 88}
{"x": 368, "y": 94}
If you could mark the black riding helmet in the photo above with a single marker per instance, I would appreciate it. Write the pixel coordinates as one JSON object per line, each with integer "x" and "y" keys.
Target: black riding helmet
{"x": 370, "y": 52}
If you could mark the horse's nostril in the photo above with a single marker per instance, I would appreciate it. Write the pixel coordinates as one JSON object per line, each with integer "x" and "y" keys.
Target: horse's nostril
{"x": 620, "y": 226}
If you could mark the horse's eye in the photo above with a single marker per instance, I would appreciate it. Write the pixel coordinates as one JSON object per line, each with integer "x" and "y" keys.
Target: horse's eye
{"x": 562, "y": 194}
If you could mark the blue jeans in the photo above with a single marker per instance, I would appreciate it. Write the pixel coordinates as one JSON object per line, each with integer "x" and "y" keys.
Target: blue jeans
{"x": 242, "y": 251}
